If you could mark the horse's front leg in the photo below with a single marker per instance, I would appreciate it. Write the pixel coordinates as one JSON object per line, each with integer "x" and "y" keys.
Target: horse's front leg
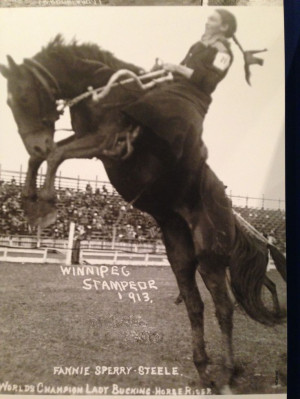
{"x": 29, "y": 191}
{"x": 86, "y": 147}
{"x": 181, "y": 255}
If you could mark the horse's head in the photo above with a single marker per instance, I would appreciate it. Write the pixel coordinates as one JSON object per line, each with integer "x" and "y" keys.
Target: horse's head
{"x": 32, "y": 101}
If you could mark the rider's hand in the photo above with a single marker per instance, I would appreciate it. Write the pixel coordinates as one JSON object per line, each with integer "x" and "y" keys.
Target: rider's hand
{"x": 170, "y": 67}
{"x": 180, "y": 69}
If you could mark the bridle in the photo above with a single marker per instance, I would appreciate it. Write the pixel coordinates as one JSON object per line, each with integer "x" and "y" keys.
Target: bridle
{"x": 45, "y": 77}
{"x": 50, "y": 87}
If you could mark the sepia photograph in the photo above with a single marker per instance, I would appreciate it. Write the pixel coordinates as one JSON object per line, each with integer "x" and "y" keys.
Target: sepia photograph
{"x": 142, "y": 189}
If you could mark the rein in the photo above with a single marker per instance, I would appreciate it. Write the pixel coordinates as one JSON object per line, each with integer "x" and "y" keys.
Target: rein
{"x": 101, "y": 92}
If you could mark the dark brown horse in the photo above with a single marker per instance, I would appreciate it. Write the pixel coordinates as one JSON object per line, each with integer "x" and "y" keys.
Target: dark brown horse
{"x": 180, "y": 191}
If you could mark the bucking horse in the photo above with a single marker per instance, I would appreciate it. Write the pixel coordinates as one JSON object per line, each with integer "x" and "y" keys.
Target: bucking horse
{"x": 177, "y": 187}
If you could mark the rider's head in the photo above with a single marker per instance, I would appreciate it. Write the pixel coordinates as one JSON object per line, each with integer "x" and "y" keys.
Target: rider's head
{"x": 221, "y": 22}
{"x": 229, "y": 23}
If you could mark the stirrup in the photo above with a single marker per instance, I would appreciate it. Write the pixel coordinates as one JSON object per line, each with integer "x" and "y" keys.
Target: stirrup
{"x": 123, "y": 149}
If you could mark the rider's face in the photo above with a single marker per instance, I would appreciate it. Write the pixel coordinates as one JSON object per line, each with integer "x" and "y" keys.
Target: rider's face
{"x": 215, "y": 25}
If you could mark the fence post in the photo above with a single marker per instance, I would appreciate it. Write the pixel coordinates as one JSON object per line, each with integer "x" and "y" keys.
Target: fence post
{"x": 41, "y": 176}
{"x": 20, "y": 175}
{"x": 59, "y": 179}
{"x": 263, "y": 202}
{"x": 78, "y": 183}
{"x": 5, "y": 253}
{"x": 0, "y": 170}
{"x": 247, "y": 201}
{"x": 70, "y": 243}
{"x": 114, "y": 237}
{"x": 96, "y": 183}
{"x": 115, "y": 260}
{"x": 38, "y": 238}
{"x": 45, "y": 255}
{"x": 146, "y": 259}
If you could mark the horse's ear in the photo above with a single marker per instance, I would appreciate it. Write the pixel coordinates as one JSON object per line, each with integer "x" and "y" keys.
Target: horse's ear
{"x": 14, "y": 68}
{"x": 4, "y": 71}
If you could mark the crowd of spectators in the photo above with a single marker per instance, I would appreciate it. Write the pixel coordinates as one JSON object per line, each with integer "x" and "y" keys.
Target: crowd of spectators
{"x": 96, "y": 211}
{"x": 12, "y": 219}
{"x": 104, "y": 215}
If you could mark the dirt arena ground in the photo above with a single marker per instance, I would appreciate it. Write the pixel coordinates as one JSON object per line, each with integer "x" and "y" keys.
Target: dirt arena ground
{"x": 50, "y": 319}
{"x": 28, "y": 3}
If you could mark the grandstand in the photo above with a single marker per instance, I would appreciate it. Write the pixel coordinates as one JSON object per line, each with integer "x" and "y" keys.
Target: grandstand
{"x": 109, "y": 222}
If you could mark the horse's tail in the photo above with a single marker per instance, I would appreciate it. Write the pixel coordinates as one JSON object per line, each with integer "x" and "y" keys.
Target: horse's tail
{"x": 248, "y": 266}
{"x": 279, "y": 260}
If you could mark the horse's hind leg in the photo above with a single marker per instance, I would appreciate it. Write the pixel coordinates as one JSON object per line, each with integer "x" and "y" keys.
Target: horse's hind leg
{"x": 181, "y": 254}
{"x": 213, "y": 272}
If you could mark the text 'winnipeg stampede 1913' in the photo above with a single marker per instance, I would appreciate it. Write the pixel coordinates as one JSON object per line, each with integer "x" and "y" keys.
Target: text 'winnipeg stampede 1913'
{"x": 112, "y": 278}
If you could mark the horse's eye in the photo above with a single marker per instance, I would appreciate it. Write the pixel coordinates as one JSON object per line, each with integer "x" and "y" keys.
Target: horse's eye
{"x": 47, "y": 122}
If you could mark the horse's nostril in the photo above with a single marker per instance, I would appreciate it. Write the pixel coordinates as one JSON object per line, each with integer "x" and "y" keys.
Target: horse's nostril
{"x": 38, "y": 149}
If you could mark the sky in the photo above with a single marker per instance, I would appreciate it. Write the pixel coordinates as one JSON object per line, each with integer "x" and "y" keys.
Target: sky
{"x": 244, "y": 127}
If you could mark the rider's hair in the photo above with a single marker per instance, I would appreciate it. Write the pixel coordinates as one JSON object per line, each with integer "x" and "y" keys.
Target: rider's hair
{"x": 228, "y": 19}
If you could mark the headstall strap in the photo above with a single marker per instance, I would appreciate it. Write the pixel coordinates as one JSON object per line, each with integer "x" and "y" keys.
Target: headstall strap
{"x": 37, "y": 66}
{"x": 41, "y": 79}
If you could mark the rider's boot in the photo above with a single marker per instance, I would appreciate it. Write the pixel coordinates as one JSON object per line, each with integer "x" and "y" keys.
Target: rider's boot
{"x": 123, "y": 145}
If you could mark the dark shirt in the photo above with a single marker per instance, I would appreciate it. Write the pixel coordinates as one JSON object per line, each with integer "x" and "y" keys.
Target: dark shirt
{"x": 209, "y": 63}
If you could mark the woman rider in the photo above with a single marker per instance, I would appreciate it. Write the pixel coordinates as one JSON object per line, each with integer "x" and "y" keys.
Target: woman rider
{"x": 176, "y": 110}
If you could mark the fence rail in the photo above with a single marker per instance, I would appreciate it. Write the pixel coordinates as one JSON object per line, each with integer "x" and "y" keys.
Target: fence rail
{"x": 32, "y": 242}
{"x": 79, "y": 184}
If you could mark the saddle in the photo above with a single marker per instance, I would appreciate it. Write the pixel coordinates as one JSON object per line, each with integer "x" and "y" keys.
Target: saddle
{"x": 173, "y": 110}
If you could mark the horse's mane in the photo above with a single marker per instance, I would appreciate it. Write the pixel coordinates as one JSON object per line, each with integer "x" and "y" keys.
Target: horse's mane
{"x": 69, "y": 53}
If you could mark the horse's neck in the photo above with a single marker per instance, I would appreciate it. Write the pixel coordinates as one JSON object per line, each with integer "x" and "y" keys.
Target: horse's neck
{"x": 75, "y": 78}
{"x": 76, "y": 81}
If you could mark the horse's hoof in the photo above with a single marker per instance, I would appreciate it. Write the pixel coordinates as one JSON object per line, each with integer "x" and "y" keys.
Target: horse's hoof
{"x": 47, "y": 214}
{"x": 219, "y": 378}
{"x": 39, "y": 213}
{"x": 178, "y": 300}
{"x": 45, "y": 196}
{"x": 225, "y": 390}
{"x": 204, "y": 374}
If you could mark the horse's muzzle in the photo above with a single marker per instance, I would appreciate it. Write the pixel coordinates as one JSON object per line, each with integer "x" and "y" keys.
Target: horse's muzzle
{"x": 38, "y": 145}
